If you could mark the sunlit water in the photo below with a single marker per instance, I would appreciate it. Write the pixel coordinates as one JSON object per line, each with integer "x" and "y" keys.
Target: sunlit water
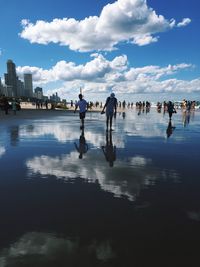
{"x": 71, "y": 197}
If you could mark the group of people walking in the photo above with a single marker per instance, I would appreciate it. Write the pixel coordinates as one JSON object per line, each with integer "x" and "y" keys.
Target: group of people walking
{"x": 110, "y": 108}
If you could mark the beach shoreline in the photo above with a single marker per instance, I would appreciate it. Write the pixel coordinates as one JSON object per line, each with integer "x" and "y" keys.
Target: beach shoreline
{"x": 28, "y": 112}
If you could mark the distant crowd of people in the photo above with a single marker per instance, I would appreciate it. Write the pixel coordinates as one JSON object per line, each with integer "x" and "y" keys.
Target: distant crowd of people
{"x": 111, "y": 105}
{"x": 7, "y": 104}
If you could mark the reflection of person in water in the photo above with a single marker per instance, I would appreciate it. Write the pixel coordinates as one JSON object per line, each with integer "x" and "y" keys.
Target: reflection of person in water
{"x": 170, "y": 129}
{"x": 83, "y": 147}
{"x": 14, "y": 135}
{"x": 109, "y": 150}
{"x": 186, "y": 117}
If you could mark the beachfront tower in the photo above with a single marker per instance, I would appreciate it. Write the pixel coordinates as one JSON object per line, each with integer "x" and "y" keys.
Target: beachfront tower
{"x": 11, "y": 77}
{"x": 28, "y": 84}
{"x": 38, "y": 93}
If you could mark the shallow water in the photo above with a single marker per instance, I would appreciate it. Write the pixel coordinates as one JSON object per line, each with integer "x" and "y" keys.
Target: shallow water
{"x": 71, "y": 197}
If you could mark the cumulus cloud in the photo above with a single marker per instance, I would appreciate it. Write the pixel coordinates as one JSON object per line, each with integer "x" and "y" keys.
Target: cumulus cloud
{"x": 93, "y": 70}
{"x": 99, "y": 69}
{"x": 184, "y": 22}
{"x": 121, "y": 21}
{"x": 101, "y": 76}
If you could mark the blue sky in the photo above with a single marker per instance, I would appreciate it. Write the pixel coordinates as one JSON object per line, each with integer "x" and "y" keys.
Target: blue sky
{"x": 126, "y": 46}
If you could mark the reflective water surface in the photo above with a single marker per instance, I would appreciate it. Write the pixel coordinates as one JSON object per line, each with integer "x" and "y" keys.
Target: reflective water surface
{"x": 88, "y": 197}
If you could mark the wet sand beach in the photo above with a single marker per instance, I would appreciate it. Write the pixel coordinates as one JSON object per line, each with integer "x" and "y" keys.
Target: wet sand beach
{"x": 29, "y": 113}
{"x": 132, "y": 199}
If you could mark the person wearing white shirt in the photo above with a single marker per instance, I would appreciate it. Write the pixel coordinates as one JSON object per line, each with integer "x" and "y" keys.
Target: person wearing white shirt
{"x": 83, "y": 106}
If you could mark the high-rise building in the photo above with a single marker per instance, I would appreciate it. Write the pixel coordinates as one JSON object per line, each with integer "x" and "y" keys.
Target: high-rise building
{"x": 38, "y": 92}
{"x": 11, "y": 78}
{"x": 28, "y": 84}
{"x": 20, "y": 88}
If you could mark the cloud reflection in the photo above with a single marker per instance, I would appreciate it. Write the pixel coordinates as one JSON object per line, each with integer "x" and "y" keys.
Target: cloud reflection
{"x": 144, "y": 125}
{"x": 66, "y": 133}
{"x": 2, "y": 151}
{"x": 43, "y": 248}
{"x": 126, "y": 179}
{"x": 60, "y": 132}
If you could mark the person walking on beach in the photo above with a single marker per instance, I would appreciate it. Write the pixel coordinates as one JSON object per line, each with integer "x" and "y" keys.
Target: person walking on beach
{"x": 111, "y": 109}
{"x": 170, "y": 109}
{"x": 83, "y": 106}
{"x": 6, "y": 104}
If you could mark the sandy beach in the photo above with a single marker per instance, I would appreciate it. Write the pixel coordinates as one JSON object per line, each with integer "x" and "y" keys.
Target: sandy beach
{"x": 143, "y": 175}
{"x": 29, "y": 111}
{"x": 32, "y": 114}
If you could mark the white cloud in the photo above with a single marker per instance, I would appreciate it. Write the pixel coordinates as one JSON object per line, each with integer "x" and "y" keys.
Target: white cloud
{"x": 93, "y": 70}
{"x": 184, "y": 22}
{"x": 123, "y": 20}
{"x": 100, "y": 76}
{"x": 144, "y": 39}
{"x": 99, "y": 69}
{"x": 2, "y": 51}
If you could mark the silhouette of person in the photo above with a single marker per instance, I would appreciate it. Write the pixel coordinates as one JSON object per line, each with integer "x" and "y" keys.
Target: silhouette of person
{"x": 82, "y": 148}
{"x": 6, "y": 105}
{"x": 170, "y": 109}
{"x": 170, "y": 129}
{"x": 111, "y": 109}
{"x": 83, "y": 106}
{"x": 109, "y": 150}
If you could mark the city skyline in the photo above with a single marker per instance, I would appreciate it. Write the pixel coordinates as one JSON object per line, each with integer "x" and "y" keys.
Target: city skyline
{"x": 126, "y": 46}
